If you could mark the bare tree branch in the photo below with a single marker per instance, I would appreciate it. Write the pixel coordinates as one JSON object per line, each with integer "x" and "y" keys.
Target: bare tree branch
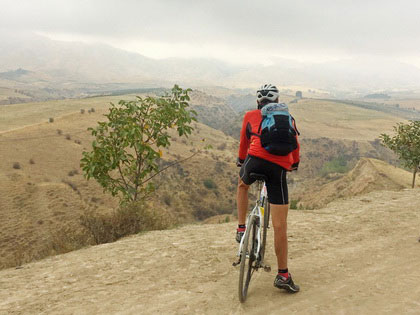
{"x": 168, "y": 166}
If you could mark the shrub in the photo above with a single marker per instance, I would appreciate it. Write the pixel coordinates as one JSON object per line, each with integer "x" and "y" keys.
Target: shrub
{"x": 337, "y": 165}
{"x": 59, "y": 131}
{"x": 125, "y": 221}
{"x": 82, "y": 111}
{"x": 92, "y": 110}
{"x": 31, "y": 161}
{"x": 16, "y": 166}
{"x": 293, "y": 204}
{"x": 73, "y": 172}
{"x": 72, "y": 186}
{"x": 209, "y": 183}
{"x": 68, "y": 137}
{"x": 66, "y": 240}
{"x": 95, "y": 199}
{"x": 222, "y": 146}
{"x": 51, "y": 120}
{"x": 77, "y": 141}
{"x": 129, "y": 145}
{"x": 167, "y": 199}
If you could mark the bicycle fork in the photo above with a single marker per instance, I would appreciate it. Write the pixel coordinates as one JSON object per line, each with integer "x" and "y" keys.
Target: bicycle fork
{"x": 257, "y": 249}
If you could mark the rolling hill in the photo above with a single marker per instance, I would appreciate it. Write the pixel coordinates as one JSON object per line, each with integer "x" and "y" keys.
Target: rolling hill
{"x": 42, "y": 190}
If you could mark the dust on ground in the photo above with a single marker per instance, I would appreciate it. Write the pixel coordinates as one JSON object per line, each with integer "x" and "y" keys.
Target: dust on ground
{"x": 358, "y": 255}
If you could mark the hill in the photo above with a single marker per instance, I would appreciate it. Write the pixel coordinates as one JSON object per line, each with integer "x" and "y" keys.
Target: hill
{"x": 344, "y": 257}
{"x": 333, "y": 119}
{"x": 43, "y": 193}
{"x": 368, "y": 175}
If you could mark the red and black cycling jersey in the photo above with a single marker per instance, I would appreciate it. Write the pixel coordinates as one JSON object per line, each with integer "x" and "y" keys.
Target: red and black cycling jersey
{"x": 251, "y": 144}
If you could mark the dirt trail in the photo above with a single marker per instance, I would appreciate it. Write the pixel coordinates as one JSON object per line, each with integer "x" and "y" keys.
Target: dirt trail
{"x": 358, "y": 255}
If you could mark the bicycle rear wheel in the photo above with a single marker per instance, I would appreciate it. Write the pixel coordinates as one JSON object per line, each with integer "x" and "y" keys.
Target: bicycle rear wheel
{"x": 248, "y": 259}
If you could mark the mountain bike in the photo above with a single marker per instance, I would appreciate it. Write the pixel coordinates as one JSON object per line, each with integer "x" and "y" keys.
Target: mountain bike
{"x": 252, "y": 246}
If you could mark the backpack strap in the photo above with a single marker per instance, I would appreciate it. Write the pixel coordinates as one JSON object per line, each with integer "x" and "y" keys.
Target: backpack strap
{"x": 259, "y": 129}
{"x": 249, "y": 132}
{"x": 294, "y": 125}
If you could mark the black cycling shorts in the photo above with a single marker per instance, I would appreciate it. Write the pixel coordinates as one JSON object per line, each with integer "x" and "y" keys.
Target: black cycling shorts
{"x": 276, "y": 178}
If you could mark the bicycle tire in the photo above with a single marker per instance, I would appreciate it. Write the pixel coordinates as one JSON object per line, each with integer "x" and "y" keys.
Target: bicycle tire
{"x": 247, "y": 247}
{"x": 265, "y": 227}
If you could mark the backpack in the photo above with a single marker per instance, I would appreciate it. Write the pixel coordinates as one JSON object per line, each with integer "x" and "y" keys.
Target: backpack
{"x": 278, "y": 131}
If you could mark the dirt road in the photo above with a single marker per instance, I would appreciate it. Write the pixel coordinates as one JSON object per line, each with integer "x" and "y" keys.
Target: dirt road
{"x": 356, "y": 256}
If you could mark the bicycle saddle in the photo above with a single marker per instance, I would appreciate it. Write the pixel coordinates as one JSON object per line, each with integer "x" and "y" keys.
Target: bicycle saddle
{"x": 258, "y": 176}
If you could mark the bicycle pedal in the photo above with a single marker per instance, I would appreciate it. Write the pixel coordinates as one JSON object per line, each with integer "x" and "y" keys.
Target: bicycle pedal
{"x": 267, "y": 268}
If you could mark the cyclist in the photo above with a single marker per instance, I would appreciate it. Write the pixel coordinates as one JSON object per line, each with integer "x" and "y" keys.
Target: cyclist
{"x": 253, "y": 158}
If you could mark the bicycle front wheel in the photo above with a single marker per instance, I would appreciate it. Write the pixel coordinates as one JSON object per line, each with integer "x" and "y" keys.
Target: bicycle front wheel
{"x": 248, "y": 258}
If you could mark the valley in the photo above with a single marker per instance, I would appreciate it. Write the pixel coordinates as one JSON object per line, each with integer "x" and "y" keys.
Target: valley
{"x": 43, "y": 193}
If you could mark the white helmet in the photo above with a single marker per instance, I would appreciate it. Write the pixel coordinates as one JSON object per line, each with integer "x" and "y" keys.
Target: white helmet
{"x": 267, "y": 92}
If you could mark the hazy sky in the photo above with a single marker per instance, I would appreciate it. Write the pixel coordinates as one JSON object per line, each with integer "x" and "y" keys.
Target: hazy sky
{"x": 235, "y": 30}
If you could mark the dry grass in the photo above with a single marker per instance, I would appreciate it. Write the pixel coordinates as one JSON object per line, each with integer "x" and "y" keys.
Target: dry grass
{"x": 340, "y": 121}
{"x": 45, "y": 193}
{"x": 20, "y": 115}
{"x": 405, "y": 102}
{"x": 127, "y": 220}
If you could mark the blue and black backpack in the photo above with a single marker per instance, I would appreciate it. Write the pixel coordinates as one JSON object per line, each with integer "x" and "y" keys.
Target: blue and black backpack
{"x": 277, "y": 129}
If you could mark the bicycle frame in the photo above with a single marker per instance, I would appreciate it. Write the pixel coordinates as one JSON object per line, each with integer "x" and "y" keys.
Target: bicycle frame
{"x": 257, "y": 211}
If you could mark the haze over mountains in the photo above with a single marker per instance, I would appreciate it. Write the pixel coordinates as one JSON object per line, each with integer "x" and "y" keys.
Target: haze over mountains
{"x": 60, "y": 64}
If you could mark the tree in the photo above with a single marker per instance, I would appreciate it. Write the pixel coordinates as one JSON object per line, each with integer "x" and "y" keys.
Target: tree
{"x": 406, "y": 144}
{"x": 127, "y": 147}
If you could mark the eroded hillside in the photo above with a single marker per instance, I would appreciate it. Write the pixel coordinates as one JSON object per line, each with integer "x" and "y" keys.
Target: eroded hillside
{"x": 368, "y": 175}
{"x": 43, "y": 192}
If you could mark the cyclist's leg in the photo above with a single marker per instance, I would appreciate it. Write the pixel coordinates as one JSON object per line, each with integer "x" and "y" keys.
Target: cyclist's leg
{"x": 278, "y": 197}
{"x": 242, "y": 201}
{"x": 279, "y": 219}
{"x": 243, "y": 187}
{"x": 279, "y": 200}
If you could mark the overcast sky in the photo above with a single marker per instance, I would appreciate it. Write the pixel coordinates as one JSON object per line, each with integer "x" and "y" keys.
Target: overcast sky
{"x": 233, "y": 30}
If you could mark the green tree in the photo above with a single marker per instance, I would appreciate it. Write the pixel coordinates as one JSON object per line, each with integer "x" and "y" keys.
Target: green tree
{"x": 127, "y": 147}
{"x": 406, "y": 144}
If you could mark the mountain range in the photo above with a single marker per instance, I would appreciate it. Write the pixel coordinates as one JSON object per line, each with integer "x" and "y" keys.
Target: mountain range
{"x": 55, "y": 63}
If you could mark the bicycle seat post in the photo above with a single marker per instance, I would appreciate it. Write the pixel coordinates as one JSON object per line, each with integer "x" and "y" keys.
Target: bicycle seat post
{"x": 259, "y": 187}
{"x": 261, "y": 178}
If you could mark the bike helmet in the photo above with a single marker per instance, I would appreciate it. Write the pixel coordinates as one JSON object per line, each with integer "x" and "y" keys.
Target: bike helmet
{"x": 267, "y": 92}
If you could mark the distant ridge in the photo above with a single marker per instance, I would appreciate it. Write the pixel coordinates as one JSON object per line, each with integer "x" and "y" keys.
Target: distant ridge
{"x": 14, "y": 74}
{"x": 76, "y": 62}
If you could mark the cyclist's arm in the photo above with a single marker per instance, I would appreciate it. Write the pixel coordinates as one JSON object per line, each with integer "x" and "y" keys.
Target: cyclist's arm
{"x": 296, "y": 152}
{"x": 244, "y": 144}
{"x": 296, "y": 156}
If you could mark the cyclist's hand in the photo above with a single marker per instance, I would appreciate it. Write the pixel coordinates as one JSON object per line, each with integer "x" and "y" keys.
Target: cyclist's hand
{"x": 239, "y": 162}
